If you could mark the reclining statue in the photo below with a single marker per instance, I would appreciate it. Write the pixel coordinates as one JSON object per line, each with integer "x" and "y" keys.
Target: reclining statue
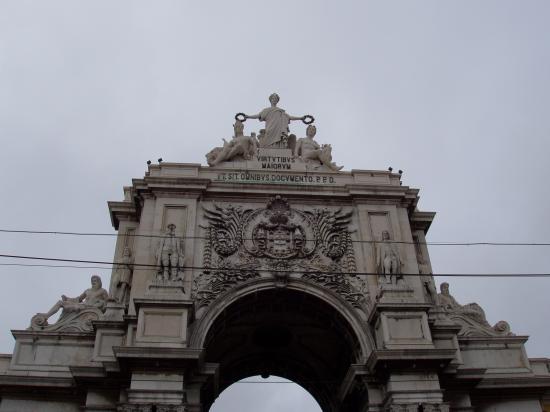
{"x": 240, "y": 145}
{"x": 77, "y": 312}
{"x": 471, "y": 316}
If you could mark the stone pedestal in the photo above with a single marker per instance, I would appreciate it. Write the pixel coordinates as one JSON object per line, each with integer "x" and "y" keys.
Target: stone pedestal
{"x": 390, "y": 293}
{"x": 162, "y": 321}
{"x": 166, "y": 289}
{"x": 401, "y": 326}
{"x": 406, "y": 391}
{"x": 156, "y": 388}
{"x": 114, "y": 311}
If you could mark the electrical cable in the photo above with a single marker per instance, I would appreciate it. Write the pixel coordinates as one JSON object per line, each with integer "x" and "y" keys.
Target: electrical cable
{"x": 214, "y": 269}
{"x": 442, "y": 243}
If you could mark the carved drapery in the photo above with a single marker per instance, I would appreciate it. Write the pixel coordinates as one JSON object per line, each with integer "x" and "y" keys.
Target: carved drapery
{"x": 470, "y": 316}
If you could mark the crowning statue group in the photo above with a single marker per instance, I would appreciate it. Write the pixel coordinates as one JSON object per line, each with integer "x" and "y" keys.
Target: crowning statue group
{"x": 276, "y": 134}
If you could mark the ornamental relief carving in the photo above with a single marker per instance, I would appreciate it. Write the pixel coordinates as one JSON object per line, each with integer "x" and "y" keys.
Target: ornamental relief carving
{"x": 279, "y": 241}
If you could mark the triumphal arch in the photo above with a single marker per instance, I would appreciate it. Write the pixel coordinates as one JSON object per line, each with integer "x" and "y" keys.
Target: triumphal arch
{"x": 270, "y": 260}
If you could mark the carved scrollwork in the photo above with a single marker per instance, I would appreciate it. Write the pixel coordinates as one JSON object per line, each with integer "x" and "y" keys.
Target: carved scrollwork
{"x": 352, "y": 289}
{"x": 208, "y": 286}
{"x": 331, "y": 228}
{"x": 244, "y": 243}
{"x": 68, "y": 321}
{"x": 225, "y": 232}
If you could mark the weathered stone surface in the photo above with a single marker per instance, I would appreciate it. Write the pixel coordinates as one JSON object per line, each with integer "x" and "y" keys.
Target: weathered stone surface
{"x": 77, "y": 313}
{"x": 271, "y": 260}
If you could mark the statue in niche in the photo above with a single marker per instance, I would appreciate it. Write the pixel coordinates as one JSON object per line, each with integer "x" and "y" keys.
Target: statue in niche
{"x": 94, "y": 298}
{"x": 471, "y": 310}
{"x": 388, "y": 262}
{"x": 276, "y": 132}
{"x": 123, "y": 277}
{"x": 425, "y": 274}
{"x": 170, "y": 256}
{"x": 240, "y": 146}
{"x": 310, "y": 151}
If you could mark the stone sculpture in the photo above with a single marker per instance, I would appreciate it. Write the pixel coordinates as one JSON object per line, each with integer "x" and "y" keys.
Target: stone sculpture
{"x": 471, "y": 316}
{"x": 240, "y": 146}
{"x": 77, "y": 312}
{"x": 122, "y": 277}
{"x": 426, "y": 276}
{"x": 314, "y": 244}
{"x": 310, "y": 151}
{"x": 170, "y": 256}
{"x": 276, "y": 122}
{"x": 388, "y": 262}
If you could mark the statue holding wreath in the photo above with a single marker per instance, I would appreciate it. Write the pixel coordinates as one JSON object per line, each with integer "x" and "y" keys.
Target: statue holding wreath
{"x": 276, "y": 123}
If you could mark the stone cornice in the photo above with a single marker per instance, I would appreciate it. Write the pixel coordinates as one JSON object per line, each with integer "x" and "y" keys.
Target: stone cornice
{"x": 193, "y": 180}
{"x": 421, "y": 220}
{"x": 382, "y": 360}
{"x": 32, "y": 334}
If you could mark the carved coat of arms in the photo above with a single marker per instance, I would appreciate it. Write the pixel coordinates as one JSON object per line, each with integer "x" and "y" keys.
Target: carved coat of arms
{"x": 243, "y": 242}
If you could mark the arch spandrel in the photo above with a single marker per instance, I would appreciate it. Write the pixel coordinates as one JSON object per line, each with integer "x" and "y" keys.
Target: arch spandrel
{"x": 355, "y": 318}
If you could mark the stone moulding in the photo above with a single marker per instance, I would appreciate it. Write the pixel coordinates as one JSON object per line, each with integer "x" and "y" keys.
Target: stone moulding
{"x": 151, "y": 408}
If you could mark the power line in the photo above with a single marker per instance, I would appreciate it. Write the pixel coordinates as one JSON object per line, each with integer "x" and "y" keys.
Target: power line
{"x": 99, "y": 234}
{"x": 214, "y": 269}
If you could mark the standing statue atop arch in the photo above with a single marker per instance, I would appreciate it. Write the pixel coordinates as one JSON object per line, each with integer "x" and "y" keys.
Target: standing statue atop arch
{"x": 276, "y": 122}
{"x": 170, "y": 255}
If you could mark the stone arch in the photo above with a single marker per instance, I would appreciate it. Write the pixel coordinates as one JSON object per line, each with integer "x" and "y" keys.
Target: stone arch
{"x": 302, "y": 331}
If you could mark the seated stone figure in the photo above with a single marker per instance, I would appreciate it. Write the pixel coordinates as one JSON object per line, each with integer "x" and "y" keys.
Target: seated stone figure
{"x": 77, "y": 312}
{"x": 471, "y": 316}
{"x": 472, "y": 310}
{"x": 309, "y": 150}
{"x": 240, "y": 146}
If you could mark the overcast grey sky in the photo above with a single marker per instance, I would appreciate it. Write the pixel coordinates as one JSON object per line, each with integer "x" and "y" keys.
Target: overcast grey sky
{"x": 455, "y": 93}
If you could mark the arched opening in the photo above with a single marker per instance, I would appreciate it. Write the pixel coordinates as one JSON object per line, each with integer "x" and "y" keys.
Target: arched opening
{"x": 271, "y": 394}
{"x": 287, "y": 333}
